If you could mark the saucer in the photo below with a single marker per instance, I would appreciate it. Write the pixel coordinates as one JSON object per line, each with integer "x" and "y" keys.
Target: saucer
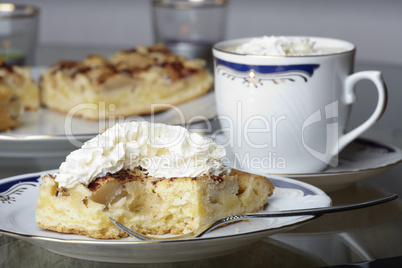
{"x": 361, "y": 159}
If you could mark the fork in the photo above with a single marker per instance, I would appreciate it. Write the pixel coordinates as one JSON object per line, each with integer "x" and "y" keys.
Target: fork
{"x": 272, "y": 214}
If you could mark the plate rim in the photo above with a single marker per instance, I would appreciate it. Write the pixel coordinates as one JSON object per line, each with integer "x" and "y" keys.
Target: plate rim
{"x": 308, "y": 186}
{"x": 5, "y": 137}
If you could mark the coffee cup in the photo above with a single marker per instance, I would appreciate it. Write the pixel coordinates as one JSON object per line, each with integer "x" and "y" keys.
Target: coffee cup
{"x": 288, "y": 113}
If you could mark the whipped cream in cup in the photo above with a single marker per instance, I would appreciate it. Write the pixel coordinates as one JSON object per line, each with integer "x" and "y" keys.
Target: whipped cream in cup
{"x": 284, "y": 46}
{"x": 163, "y": 151}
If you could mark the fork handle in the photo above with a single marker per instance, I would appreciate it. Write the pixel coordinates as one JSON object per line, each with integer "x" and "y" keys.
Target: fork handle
{"x": 323, "y": 210}
{"x": 298, "y": 212}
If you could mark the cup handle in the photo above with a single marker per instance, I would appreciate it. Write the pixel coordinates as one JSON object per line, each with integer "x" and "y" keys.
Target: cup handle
{"x": 350, "y": 98}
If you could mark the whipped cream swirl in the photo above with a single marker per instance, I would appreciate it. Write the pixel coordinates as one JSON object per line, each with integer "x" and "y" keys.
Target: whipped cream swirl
{"x": 280, "y": 46}
{"x": 163, "y": 151}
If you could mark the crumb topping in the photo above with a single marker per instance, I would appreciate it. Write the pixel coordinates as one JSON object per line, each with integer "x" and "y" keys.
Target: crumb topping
{"x": 122, "y": 176}
{"x": 125, "y": 176}
{"x": 131, "y": 63}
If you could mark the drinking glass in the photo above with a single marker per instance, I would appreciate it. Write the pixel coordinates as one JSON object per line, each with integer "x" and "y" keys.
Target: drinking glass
{"x": 18, "y": 33}
{"x": 190, "y": 27}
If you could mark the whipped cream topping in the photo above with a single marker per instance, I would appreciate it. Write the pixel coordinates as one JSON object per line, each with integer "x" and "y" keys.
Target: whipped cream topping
{"x": 282, "y": 46}
{"x": 163, "y": 151}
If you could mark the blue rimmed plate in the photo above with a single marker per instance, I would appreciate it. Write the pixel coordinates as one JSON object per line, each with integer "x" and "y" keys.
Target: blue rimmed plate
{"x": 18, "y": 196}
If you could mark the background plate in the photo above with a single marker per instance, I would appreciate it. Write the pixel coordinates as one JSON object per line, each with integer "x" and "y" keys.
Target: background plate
{"x": 41, "y": 141}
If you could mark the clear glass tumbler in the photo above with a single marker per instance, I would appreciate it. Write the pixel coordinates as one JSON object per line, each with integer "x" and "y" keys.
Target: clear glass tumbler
{"x": 190, "y": 27}
{"x": 19, "y": 33}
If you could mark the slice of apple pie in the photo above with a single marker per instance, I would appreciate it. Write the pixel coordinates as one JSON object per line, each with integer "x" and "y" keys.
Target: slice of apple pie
{"x": 153, "y": 178}
{"x": 146, "y": 204}
{"x": 133, "y": 82}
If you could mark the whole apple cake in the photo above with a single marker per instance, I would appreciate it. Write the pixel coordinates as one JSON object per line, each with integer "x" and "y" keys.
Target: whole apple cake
{"x": 140, "y": 81}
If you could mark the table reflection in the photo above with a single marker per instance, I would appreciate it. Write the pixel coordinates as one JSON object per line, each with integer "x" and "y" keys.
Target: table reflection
{"x": 351, "y": 236}
{"x": 267, "y": 252}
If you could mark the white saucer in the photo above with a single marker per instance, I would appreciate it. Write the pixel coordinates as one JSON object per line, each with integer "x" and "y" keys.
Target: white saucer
{"x": 360, "y": 160}
{"x": 18, "y": 196}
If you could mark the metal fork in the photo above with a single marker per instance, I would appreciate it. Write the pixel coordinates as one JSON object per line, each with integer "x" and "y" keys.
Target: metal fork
{"x": 288, "y": 213}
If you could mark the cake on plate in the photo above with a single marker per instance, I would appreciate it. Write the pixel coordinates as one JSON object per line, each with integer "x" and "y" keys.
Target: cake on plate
{"x": 20, "y": 80}
{"x": 152, "y": 178}
{"x": 140, "y": 81}
{"x": 10, "y": 108}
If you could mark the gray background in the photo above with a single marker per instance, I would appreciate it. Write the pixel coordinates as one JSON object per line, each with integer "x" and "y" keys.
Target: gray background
{"x": 374, "y": 26}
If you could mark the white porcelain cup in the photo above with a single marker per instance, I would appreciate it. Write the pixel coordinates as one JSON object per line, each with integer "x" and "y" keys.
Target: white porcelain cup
{"x": 288, "y": 114}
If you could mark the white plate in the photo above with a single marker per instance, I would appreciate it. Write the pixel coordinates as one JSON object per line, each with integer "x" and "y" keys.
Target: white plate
{"x": 37, "y": 128}
{"x": 45, "y": 125}
{"x": 45, "y": 137}
{"x": 361, "y": 159}
{"x": 18, "y": 197}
